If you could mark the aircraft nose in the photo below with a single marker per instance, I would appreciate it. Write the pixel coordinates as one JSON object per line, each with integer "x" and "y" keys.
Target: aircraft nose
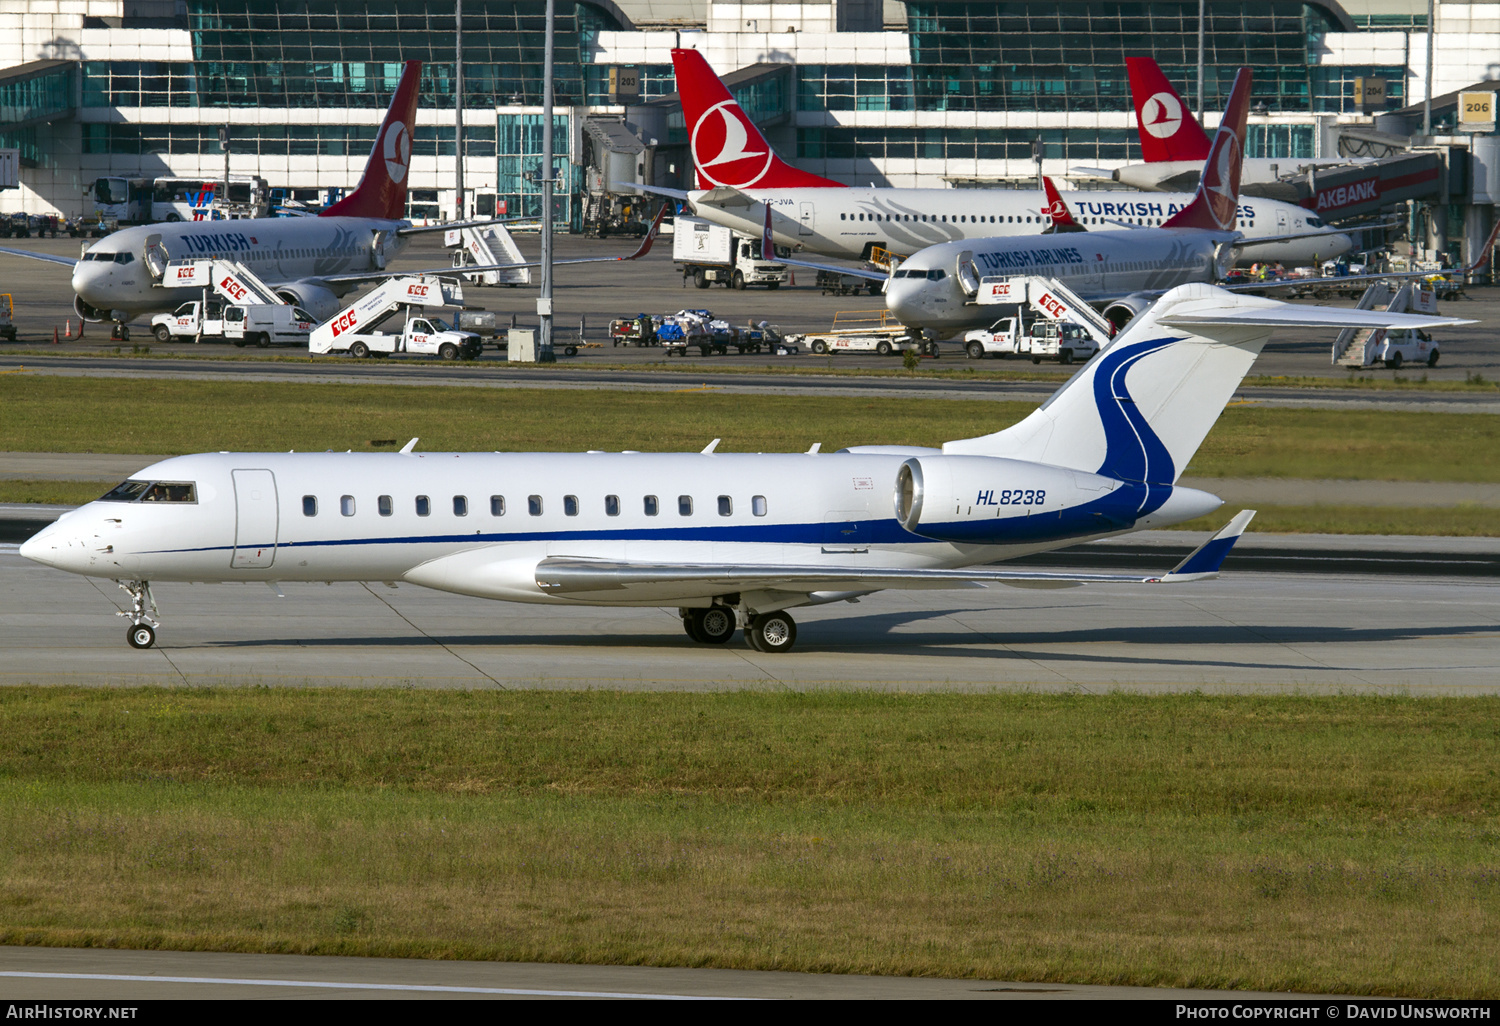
{"x": 903, "y": 298}
{"x": 43, "y": 547}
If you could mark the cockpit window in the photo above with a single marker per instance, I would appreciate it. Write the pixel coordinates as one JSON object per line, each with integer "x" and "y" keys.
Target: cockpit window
{"x": 936, "y": 274}
{"x": 1314, "y": 222}
{"x": 124, "y": 258}
{"x": 153, "y": 491}
{"x": 127, "y": 491}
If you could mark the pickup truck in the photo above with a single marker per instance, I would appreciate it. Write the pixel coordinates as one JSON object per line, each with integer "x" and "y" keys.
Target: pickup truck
{"x": 1041, "y": 340}
{"x": 259, "y": 324}
{"x": 1410, "y": 345}
{"x": 423, "y": 335}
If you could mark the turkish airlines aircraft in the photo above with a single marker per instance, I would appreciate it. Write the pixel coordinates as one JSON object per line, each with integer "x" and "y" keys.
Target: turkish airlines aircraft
{"x": 728, "y": 539}
{"x": 1174, "y": 145}
{"x": 739, "y": 176}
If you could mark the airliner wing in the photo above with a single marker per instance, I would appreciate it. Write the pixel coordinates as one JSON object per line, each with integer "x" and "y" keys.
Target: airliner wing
{"x": 1285, "y": 315}
{"x": 48, "y": 257}
{"x": 569, "y": 576}
{"x": 768, "y": 253}
{"x": 420, "y": 229}
{"x": 452, "y": 272}
{"x": 654, "y": 190}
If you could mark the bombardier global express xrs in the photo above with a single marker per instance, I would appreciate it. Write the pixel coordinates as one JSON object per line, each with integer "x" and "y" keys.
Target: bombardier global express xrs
{"x": 739, "y": 175}
{"x": 728, "y": 539}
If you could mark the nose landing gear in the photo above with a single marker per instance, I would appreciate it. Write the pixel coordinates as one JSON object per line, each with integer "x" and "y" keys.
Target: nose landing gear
{"x": 142, "y": 633}
{"x": 119, "y": 333}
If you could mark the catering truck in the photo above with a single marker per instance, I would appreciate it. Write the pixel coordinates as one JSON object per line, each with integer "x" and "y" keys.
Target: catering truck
{"x": 710, "y": 253}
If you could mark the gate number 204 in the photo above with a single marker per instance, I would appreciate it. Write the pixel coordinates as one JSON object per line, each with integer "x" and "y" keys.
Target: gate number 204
{"x": 1012, "y": 497}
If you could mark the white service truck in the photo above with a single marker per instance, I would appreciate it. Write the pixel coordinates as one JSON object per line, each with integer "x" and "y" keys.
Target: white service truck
{"x": 1061, "y": 326}
{"x": 710, "y": 253}
{"x": 257, "y": 324}
{"x": 355, "y": 330}
{"x": 1395, "y": 348}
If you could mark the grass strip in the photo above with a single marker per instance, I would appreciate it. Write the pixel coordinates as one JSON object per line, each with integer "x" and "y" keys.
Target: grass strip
{"x": 1448, "y": 521}
{"x": 1335, "y": 844}
{"x": 56, "y": 414}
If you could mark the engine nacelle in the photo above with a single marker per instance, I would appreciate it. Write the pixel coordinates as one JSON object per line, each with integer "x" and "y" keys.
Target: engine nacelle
{"x": 318, "y": 300}
{"x": 1122, "y": 311}
{"x": 88, "y": 313}
{"x": 989, "y": 500}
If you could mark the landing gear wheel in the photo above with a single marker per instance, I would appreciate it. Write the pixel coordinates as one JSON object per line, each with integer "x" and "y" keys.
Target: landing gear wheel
{"x": 690, "y": 625}
{"x": 141, "y": 614}
{"x": 715, "y": 624}
{"x": 771, "y": 632}
{"x": 119, "y": 333}
{"x": 162, "y": 334}
{"x": 141, "y": 635}
{"x": 359, "y": 350}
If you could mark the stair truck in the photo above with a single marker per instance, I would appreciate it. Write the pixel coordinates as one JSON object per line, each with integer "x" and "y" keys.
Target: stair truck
{"x": 710, "y": 253}
{"x": 355, "y": 330}
{"x": 487, "y": 245}
{"x": 1364, "y": 347}
{"x": 1061, "y": 326}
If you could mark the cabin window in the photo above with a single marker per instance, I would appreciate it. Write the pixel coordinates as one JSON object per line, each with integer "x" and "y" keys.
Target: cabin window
{"x": 841, "y": 217}
{"x": 346, "y": 505}
{"x": 758, "y": 505}
{"x": 534, "y": 505}
{"x": 611, "y": 505}
{"x": 497, "y": 505}
{"x": 460, "y": 505}
{"x": 424, "y": 506}
{"x": 684, "y": 505}
{"x": 169, "y": 491}
{"x": 309, "y": 505}
{"x": 570, "y": 505}
{"x": 726, "y": 506}
{"x": 652, "y": 507}
{"x": 385, "y": 506}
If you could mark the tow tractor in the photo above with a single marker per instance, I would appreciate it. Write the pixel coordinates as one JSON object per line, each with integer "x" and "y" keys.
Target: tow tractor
{"x": 355, "y": 329}
{"x": 1061, "y": 327}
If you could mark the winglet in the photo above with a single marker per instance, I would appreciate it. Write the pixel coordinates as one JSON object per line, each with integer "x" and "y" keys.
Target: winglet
{"x": 1216, "y": 203}
{"x": 767, "y": 248}
{"x": 651, "y": 234}
{"x": 1057, "y": 210}
{"x": 1206, "y": 559}
{"x": 408, "y": 447}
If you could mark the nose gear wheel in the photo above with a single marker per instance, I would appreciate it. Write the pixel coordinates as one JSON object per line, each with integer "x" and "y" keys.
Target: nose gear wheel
{"x": 143, "y": 624}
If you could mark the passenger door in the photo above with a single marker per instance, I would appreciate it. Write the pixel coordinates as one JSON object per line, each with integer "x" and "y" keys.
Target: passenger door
{"x": 256, "y": 520}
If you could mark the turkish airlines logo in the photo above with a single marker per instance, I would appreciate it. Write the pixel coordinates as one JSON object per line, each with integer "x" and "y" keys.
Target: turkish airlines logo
{"x": 1161, "y": 115}
{"x": 397, "y": 150}
{"x": 1058, "y": 211}
{"x": 719, "y": 141}
{"x": 1218, "y": 186}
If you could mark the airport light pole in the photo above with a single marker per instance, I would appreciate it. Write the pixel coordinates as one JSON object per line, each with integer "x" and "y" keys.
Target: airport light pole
{"x": 544, "y": 303}
{"x": 458, "y": 109}
{"x": 1202, "y": 14}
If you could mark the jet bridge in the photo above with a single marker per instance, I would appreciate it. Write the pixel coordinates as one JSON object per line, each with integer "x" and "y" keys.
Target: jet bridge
{"x": 487, "y": 245}
{"x": 1048, "y": 297}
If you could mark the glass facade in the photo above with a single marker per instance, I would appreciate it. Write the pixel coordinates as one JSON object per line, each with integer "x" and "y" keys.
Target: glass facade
{"x": 1070, "y": 55}
{"x": 37, "y": 97}
{"x": 321, "y": 53}
{"x": 1074, "y": 144}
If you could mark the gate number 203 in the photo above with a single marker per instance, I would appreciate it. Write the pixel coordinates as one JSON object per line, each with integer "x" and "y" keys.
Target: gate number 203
{"x": 1012, "y": 497}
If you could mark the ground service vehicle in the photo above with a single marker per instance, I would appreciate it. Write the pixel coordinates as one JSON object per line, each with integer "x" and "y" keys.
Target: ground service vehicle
{"x": 635, "y": 331}
{"x": 151, "y": 200}
{"x": 356, "y": 328}
{"x": 7, "y": 313}
{"x": 712, "y": 253}
{"x": 258, "y": 324}
{"x": 1038, "y": 339}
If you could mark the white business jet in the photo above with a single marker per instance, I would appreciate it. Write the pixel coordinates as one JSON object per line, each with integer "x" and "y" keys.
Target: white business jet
{"x": 729, "y": 539}
{"x": 739, "y": 176}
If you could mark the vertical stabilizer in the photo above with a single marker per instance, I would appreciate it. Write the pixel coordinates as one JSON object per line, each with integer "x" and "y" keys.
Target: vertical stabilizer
{"x": 1167, "y": 128}
{"x": 1215, "y": 204}
{"x": 382, "y": 188}
{"x": 727, "y": 147}
{"x": 1057, "y": 210}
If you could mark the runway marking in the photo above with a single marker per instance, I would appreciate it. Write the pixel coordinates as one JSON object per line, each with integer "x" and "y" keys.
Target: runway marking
{"x": 14, "y": 370}
{"x": 331, "y": 985}
{"x": 700, "y": 388}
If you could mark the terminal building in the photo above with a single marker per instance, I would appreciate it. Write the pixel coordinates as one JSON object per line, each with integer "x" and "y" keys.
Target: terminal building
{"x": 933, "y": 93}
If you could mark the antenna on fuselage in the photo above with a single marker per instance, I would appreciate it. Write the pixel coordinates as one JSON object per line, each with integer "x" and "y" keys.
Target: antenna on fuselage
{"x": 408, "y": 447}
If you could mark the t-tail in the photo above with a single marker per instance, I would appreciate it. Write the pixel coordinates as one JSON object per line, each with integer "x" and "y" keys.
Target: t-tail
{"x": 1167, "y": 128}
{"x": 1138, "y": 411}
{"x": 382, "y": 188}
{"x": 728, "y": 150}
{"x": 1214, "y": 206}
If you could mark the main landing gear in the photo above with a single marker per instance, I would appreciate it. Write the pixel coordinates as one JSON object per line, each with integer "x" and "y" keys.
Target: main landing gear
{"x": 764, "y": 632}
{"x": 142, "y": 633}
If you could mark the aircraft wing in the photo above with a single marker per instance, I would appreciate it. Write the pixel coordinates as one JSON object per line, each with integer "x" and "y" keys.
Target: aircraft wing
{"x": 768, "y": 253}
{"x": 654, "y": 190}
{"x": 451, "y": 272}
{"x": 420, "y": 229}
{"x": 1286, "y": 315}
{"x": 47, "y": 257}
{"x": 569, "y": 576}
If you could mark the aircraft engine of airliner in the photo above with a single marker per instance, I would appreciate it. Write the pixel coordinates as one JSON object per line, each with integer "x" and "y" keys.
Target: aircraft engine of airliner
{"x": 730, "y": 540}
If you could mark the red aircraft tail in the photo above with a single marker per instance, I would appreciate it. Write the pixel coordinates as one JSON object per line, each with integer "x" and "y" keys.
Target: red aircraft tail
{"x": 1218, "y": 197}
{"x": 1057, "y": 210}
{"x": 1166, "y": 126}
{"x": 382, "y": 188}
{"x": 727, "y": 147}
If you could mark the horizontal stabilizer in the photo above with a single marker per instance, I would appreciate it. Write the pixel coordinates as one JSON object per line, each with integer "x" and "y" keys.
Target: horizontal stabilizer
{"x": 1286, "y": 315}
{"x": 655, "y": 190}
{"x": 1205, "y": 560}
